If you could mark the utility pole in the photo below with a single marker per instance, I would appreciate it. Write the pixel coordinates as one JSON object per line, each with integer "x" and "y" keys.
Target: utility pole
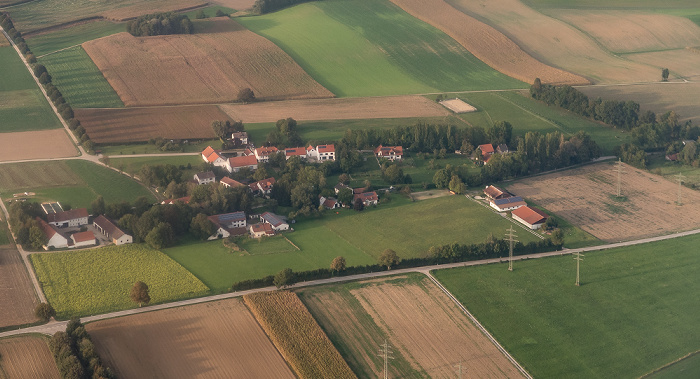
{"x": 510, "y": 236}
{"x": 386, "y": 353}
{"x": 578, "y": 260}
{"x": 619, "y": 176}
{"x": 459, "y": 370}
{"x": 680, "y": 186}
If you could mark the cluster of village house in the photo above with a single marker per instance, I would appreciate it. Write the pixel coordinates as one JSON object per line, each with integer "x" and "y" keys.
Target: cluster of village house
{"x": 487, "y": 151}
{"x": 60, "y": 221}
{"x": 504, "y": 201}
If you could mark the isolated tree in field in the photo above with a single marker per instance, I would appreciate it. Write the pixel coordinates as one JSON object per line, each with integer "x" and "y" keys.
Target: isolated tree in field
{"x": 246, "y": 95}
{"x": 200, "y": 15}
{"x": 44, "y": 312}
{"x": 389, "y": 258}
{"x": 139, "y": 293}
{"x": 557, "y": 237}
{"x": 284, "y": 278}
{"x": 664, "y": 74}
{"x": 338, "y": 264}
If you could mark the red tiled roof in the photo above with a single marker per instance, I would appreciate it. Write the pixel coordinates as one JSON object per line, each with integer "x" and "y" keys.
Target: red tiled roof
{"x": 230, "y": 182}
{"x": 495, "y": 192}
{"x": 83, "y": 237}
{"x": 266, "y": 150}
{"x": 295, "y": 151}
{"x": 67, "y": 215}
{"x": 367, "y": 196}
{"x": 486, "y": 148}
{"x": 386, "y": 151}
{"x": 267, "y": 228}
{"x": 530, "y": 215}
{"x": 330, "y": 202}
{"x": 243, "y": 161}
{"x": 48, "y": 230}
{"x": 326, "y": 148}
{"x": 109, "y": 227}
{"x": 208, "y": 151}
{"x": 267, "y": 184}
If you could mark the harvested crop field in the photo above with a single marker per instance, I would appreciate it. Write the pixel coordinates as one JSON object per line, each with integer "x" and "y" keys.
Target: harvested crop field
{"x": 555, "y": 42}
{"x": 630, "y": 31}
{"x": 22, "y": 176}
{"x": 27, "y": 357}
{"x": 200, "y": 68}
{"x": 429, "y": 333}
{"x": 217, "y": 339}
{"x": 36, "y": 145}
{"x": 683, "y": 63}
{"x": 16, "y": 291}
{"x": 486, "y": 43}
{"x": 458, "y": 106}
{"x": 141, "y": 124}
{"x": 336, "y": 109}
{"x": 586, "y": 197}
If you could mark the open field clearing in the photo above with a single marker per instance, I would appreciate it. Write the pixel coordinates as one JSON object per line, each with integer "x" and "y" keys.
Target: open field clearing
{"x": 27, "y": 357}
{"x": 113, "y": 186}
{"x": 3, "y": 41}
{"x": 97, "y": 281}
{"x": 657, "y": 97}
{"x": 682, "y": 63}
{"x": 687, "y": 368}
{"x": 133, "y": 165}
{"x": 22, "y": 106}
{"x": 142, "y": 124}
{"x": 556, "y": 43}
{"x": 373, "y": 48}
{"x": 297, "y": 336}
{"x": 22, "y": 176}
{"x": 486, "y": 43}
{"x": 626, "y": 32}
{"x": 238, "y": 5}
{"x": 586, "y": 197}
{"x": 40, "y": 144}
{"x": 428, "y": 332}
{"x": 217, "y": 339}
{"x": 16, "y": 289}
{"x": 37, "y": 15}
{"x": 669, "y": 170}
{"x": 630, "y": 315}
{"x": 199, "y": 68}
{"x": 336, "y": 109}
{"x": 48, "y": 42}
{"x": 79, "y": 80}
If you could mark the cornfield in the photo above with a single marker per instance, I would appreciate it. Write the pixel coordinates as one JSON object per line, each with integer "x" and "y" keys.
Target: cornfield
{"x": 297, "y": 336}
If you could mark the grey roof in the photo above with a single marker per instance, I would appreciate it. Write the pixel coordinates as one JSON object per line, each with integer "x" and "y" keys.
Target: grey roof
{"x": 508, "y": 200}
{"x": 205, "y": 175}
{"x": 272, "y": 219}
{"x": 229, "y": 217}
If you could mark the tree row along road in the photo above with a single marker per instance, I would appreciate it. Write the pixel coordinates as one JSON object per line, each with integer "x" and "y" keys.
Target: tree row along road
{"x": 55, "y": 326}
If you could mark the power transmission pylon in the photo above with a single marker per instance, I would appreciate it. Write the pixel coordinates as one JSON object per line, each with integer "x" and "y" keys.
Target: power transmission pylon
{"x": 386, "y": 353}
{"x": 619, "y": 168}
{"x": 510, "y": 236}
{"x": 578, "y": 260}
{"x": 680, "y": 186}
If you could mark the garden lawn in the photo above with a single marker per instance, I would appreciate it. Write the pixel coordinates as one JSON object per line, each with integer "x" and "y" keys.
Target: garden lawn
{"x": 634, "y": 312}
{"x": 75, "y": 35}
{"x": 22, "y": 105}
{"x": 372, "y": 48}
{"x": 113, "y": 186}
{"x": 98, "y": 281}
{"x": 79, "y": 80}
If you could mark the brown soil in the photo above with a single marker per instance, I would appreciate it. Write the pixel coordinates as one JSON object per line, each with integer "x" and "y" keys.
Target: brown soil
{"x": 586, "y": 197}
{"x": 27, "y": 357}
{"x": 121, "y": 125}
{"x": 16, "y": 291}
{"x": 683, "y": 63}
{"x": 486, "y": 43}
{"x": 4, "y": 41}
{"x": 417, "y": 196}
{"x": 41, "y": 144}
{"x": 200, "y": 68}
{"x": 215, "y": 340}
{"x": 336, "y": 109}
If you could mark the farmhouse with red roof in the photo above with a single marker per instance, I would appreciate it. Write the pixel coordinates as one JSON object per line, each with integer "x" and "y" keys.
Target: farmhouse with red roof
{"x": 367, "y": 198}
{"x": 235, "y": 164}
{"x": 54, "y": 238}
{"x": 391, "y": 153}
{"x": 83, "y": 239}
{"x": 262, "y": 154}
{"x": 530, "y": 217}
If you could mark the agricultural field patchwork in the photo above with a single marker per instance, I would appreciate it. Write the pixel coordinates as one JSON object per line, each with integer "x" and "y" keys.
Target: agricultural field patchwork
{"x": 220, "y": 339}
{"x": 630, "y": 316}
{"x": 351, "y": 49}
{"x": 97, "y": 281}
{"x": 199, "y": 68}
{"x": 16, "y": 289}
{"x": 429, "y": 334}
{"x": 39, "y": 144}
{"x": 30, "y": 175}
{"x": 587, "y": 198}
{"x": 133, "y": 165}
{"x": 297, "y": 336}
{"x": 27, "y": 357}
{"x": 49, "y": 42}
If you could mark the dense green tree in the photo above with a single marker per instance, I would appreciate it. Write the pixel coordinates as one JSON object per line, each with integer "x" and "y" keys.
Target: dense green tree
{"x": 284, "y": 278}
{"x": 500, "y": 132}
{"x": 389, "y": 258}
{"x": 160, "y": 24}
{"x": 44, "y": 312}
{"x": 441, "y": 179}
{"x": 140, "y": 293}
{"x": 201, "y": 227}
{"x": 345, "y": 196}
{"x": 664, "y": 74}
{"x": 245, "y": 95}
{"x": 358, "y": 205}
{"x": 338, "y": 264}
{"x": 162, "y": 235}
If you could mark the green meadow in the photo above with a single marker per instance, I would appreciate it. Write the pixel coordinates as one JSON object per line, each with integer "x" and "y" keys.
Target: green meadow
{"x": 373, "y": 48}
{"x": 46, "y": 43}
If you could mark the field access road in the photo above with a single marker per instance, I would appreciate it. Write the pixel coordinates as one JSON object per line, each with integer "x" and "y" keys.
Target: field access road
{"x": 55, "y": 326}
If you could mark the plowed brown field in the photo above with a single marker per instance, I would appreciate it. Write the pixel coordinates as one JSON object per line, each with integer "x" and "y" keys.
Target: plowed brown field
{"x": 200, "y": 68}
{"x": 141, "y": 124}
{"x": 423, "y": 325}
{"x": 16, "y": 291}
{"x": 486, "y": 43}
{"x": 214, "y": 340}
{"x": 555, "y": 42}
{"x": 40, "y": 144}
{"x": 629, "y": 31}
{"x": 586, "y": 197}
{"x": 26, "y": 357}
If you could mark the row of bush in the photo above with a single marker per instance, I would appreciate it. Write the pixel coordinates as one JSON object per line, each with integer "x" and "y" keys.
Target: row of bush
{"x": 437, "y": 255}
{"x": 75, "y": 354}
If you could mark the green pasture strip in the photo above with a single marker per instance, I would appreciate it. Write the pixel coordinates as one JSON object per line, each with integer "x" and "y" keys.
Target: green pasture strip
{"x": 113, "y": 186}
{"x": 633, "y": 312}
{"x": 79, "y": 80}
{"x": 270, "y": 245}
{"x": 364, "y": 48}
{"x": 613, "y": 4}
{"x": 670, "y": 170}
{"x": 14, "y": 76}
{"x": 144, "y": 148}
{"x": 687, "y": 368}
{"x": 50, "y": 42}
{"x": 133, "y": 165}
{"x": 209, "y": 11}
{"x": 98, "y": 281}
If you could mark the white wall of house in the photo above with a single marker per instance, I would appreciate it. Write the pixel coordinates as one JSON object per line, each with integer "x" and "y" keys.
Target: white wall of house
{"x": 84, "y": 243}
{"x": 57, "y": 241}
{"x": 520, "y": 220}
{"x": 220, "y": 233}
{"x": 123, "y": 240}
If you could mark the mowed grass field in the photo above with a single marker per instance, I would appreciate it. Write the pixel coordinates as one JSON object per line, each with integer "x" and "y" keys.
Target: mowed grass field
{"x": 49, "y": 42}
{"x": 633, "y": 312}
{"x": 81, "y": 283}
{"x": 22, "y": 105}
{"x": 133, "y": 165}
{"x": 363, "y": 48}
{"x": 687, "y": 368}
{"x": 79, "y": 80}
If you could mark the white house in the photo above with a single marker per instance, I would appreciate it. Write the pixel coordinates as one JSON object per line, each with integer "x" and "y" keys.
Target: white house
{"x": 235, "y": 164}
{"x": 71, "y": 218}
{"x": 111, "y": 231}
{"x": 262, "y": 154}
{"x": 507, "y": 204}
{"x": 277, "y": 223}
{"x": 391, "y": 153}
{"x": 530, "y": 217}
{"x": 263, "y": 187}
{"x": 55, "y": 239}
{"x": 83, "y": 239}
{"x": 368, "y": 198}
{"x": 321, "y": 152}
{"x": 261, "y": 230}
{"x": 228, "y": 224}
{"x": 295, "y": 151}
{"x": 205, "y": 177}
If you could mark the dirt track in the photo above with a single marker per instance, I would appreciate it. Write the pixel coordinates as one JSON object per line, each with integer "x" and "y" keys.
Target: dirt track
{"x": 40, "y": 144}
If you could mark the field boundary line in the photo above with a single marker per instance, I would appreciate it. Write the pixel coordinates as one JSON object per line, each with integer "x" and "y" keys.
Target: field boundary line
{"x": 58, "y": 51}
{"x": 533, "y": 113}
{"x": 291, "y": 243}
{"x": 478, "y": 325}
{"x": 679, "y": 360}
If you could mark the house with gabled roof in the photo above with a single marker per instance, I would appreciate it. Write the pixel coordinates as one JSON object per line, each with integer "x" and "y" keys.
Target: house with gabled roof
{"x": 111, "y": 231}
{"x": 205, "y": 177}
{"x": 329, "y": 202}
{"x": 54, "y": 238}
{"x": 236, "y": 164}
{"x": 502, "y": 149}
{"x": 262, "y": 154}
{"x": 321, "y": 152}
{"x": 83, "y": 239}
{"x": 494, "y": 193}
{"x": 295, "y": 152}
{"x": 230, "y": 183}
{"x": 261, "y": 230}
{"x": 228, "y": 224}
{"x": 263, "y": 187}
{"x": 277, "y": 222}
{"x": 212, "y": 156}
{"x": 507, "y": 203}
{"x": 339, "y": 187}
{"x": 486, "y": 151}
{"x": 239, "y": 138}
{"x": 71, "y": 218}
{"x": 367, "y": 198}
{"x": 533, "y": 218}
{"x": 391, "y": 153}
